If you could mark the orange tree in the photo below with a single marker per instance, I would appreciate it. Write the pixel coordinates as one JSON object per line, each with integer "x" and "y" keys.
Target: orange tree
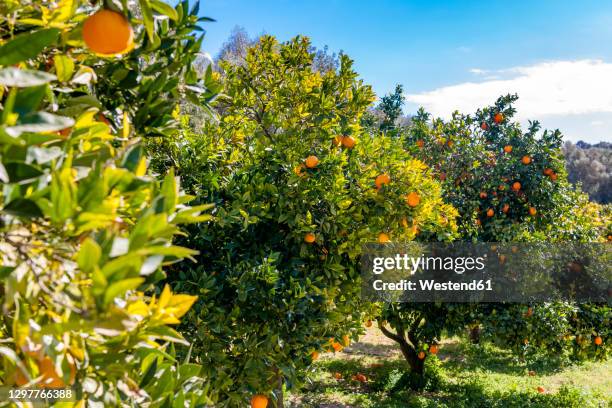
{"x": 84, "y": 230}
{"x": 298, "y": 188}
{"x": 508, "y": 185}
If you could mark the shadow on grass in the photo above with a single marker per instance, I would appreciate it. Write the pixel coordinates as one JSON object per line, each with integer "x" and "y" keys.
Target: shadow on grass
{"x": 464, "y": 356}
{"x": 372, "y": 350}
{"x": 384, "y": 389}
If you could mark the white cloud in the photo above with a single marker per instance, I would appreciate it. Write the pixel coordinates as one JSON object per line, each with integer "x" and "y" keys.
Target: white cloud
{"x": 478, "y": 71}
{"x": 553, "y": 88}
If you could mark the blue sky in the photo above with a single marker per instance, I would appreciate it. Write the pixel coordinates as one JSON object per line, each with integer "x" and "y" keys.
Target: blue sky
{"x": 457, "y": 54}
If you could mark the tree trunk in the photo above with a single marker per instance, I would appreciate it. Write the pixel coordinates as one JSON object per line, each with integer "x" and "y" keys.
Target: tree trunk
{"x": 475, "y": 334}
{"x": 410, "y": 354}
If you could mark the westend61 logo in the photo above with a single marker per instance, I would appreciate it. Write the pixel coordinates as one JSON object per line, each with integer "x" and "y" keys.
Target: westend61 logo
{"x": 486, "y": 272}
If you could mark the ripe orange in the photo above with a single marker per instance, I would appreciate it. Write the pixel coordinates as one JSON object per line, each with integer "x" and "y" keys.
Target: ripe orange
{"x": 516, "y": 186}
{"x": 368, "y": 323}
{"x": 337, "y": 346}
{"x": 314, "y": 355}
{"x": 529, "y": 312}
{"x": 484, "y": 126}
{"x": 526, "y": 159}
{"x": 50, "y": 377}
{"x": 420, "y": 143}
{"x": 311, "y": 162}
{"x": 498, "y": 118}
{"x": 337, "y": 376}
{"x": 298, "y": 170}
{"x": 383, "y": 237}
{"x": 548, "y": 171}
{"x": 478, "y": 222}
{"x": 433, "y": 349}
{"x": 309, "y": 238}
{"x": 337, "y": 141}
{"x": 404, "y": 222}
{"x": 382, "y": 179}
{"x": 348, "y": 142}
{"x": 505, "y": 208}
{"x": 526, "y": 341}
{"x": 490, "y": 212}
{"x": 541, "y": 389}
{"x": 483, "y": 194}
{"x": 108, "y": 33}
{"x": 361, "y": 378}
{"x": 507, "y": 149}
{"x": 553, "y": 177}
{"x": 598, "y": 340}
{"x": 502, "y": 259}
{"x": 259, "y": 401}
{"x": 413, "y": 199}
{"x": 532, "y": 211}
{"x": 450, "y": 143}
{"x": 531, "y": 373}
{"x": 421, "y": 355}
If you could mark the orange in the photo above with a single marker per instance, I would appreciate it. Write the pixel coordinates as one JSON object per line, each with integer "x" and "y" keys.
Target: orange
{"x": 484, "y": 126}
{"x": 442, "y": 176}
{"x": 502, "y": 259}
{"x": 516, "y": 186}
{"x": 337, "y": 376}
{"x": 548, "y": 171}
{"x": 507, "y": 149}
{"x": 382, "y": 180}
{"x": 420, "y": 143}
{"x": 413, "y": 199}
{"x": 531, "y": 373}
{"x": 541, "y": 390}
{"x": 383, "y": 237}
{"x": 298, "y": 170}
{"x": 490, "y": 212}
{"x": 498, "y": 118}
{"x": 526, "y": 341}
{"x": 404, "y": 222}
{"x": 314, "y": 356}
{"x": 553, "y": 177}
{"x": 361, "y": 378}
{"x": 433, "y": 349}
{"x": 421, "y": 355}
{"x": 65, "y": 132}
{"x": 337, "y": 141}
{"x": 598, "y": 341}
{"x": 501, "y": 187}
{"x": 259, "y": 401}
{"x": 529, "y": 312}
{"x": 450, "y": 143}
{"x": 309, "y": 238}
{"x": 108, "y": 33}
{"x": 505, "y": 208}
{"x": 337, "y": 346}
{"x": 348, "y": 142}
{"x": 478, "y": 222}
{"x": 311, "y": 162}
{"x": 526, "y": 159}
{"x": 368, "y": 323}
{"x": 50, "y": 377}
{"x": 532, "y": 211}
{"x": 483, "y": 194}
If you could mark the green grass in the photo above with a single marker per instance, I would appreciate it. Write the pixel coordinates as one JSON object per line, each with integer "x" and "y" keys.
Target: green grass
{"x": 463, "y": 375}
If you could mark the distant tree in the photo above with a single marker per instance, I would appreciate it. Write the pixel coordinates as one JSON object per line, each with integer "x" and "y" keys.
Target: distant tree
{"x": 234, "y": 49}
{"x": 391, "y": 106}
{"x": 590, "y": 165}
{"x": 323, "y": 60}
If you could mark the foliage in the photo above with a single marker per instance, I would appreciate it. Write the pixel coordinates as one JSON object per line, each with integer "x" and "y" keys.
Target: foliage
{"x": 84, "y": 231}
{"x": 268, "y": 299}
{"x": 590, "y": 166}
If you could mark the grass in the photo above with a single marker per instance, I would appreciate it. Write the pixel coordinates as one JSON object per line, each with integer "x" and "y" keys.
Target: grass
{"x": 462, "y": 375}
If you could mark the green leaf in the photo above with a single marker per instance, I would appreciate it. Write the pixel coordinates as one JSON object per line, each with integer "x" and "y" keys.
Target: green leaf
{"x": 39, "y": 122}
{"x": 147, "y": 17}
{"x": 18, "y": 171}
{"x": 29, "y": 99}
{"x": 22, "y": 207}
{"x": 23, "y": 78}
{"x": 64, "y": 67}
{"x": 26, "y": 46}
{"x": 165, "y": 9}
{"x": 89, "y": 255}
{"x": 119, "y": 288}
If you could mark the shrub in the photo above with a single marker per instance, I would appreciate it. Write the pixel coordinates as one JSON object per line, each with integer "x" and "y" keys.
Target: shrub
{"x": 84, "y": 231}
